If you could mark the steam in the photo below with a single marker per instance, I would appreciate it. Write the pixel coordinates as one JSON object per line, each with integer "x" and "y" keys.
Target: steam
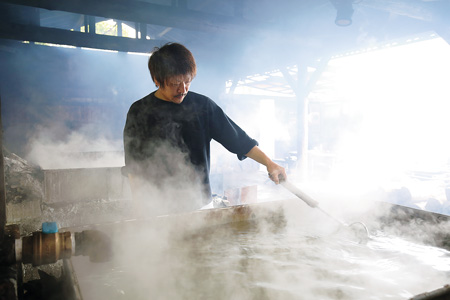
{"x": 171, "y": 184}
{"x": 79, "y": 149}
{"x": 190, "y": 255}
{"x": 393, "y": 112}
{"x": 396, "y": 123}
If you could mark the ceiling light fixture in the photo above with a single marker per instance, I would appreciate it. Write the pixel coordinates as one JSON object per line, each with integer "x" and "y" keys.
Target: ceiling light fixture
{"x": 344, "y": 13}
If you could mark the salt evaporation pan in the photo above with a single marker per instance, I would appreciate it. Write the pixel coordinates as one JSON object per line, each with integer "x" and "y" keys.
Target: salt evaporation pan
{"x": 260, "y": 261}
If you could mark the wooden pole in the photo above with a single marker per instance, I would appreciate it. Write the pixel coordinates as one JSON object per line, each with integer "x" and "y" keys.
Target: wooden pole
{"x": 2, "y": 182}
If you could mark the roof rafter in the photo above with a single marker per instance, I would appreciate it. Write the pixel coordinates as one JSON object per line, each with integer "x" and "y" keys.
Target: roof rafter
{"x": 75, "y": 38}
{"x": 147, "y": 13}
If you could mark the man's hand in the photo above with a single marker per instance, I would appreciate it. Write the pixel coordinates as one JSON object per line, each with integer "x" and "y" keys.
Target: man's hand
{"x": 276, "y": 172}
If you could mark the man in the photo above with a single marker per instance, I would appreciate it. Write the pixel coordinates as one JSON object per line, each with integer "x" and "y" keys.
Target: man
{"x": 167, "y": 137}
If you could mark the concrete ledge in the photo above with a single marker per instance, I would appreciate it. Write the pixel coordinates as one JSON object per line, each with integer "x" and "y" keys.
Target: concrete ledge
{"x": 75, "y": 185}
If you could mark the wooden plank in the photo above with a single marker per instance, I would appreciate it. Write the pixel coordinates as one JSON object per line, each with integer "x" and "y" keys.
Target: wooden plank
{"x": 74, "y": 38}
{"x": 147, "y": 13}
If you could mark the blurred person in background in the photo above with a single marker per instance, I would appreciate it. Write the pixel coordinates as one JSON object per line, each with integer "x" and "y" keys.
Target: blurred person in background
{"x": 167, "y": 138}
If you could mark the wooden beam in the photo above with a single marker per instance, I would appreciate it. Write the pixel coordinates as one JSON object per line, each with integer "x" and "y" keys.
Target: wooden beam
{"x": 147, "y": 13}
{"x": 291, "y": 81}
{"x": 2, "y": 183}
{"x": 74, "y": 38}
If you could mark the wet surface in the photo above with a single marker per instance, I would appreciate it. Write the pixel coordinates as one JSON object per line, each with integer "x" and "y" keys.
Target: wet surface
{"x": 263, "y": 262}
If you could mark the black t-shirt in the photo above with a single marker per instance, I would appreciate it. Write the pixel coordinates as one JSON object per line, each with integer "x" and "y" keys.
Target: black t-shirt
{"x": 160, "y": 136}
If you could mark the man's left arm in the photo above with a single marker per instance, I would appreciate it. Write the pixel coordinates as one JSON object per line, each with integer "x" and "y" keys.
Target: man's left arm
{"x": 275, "y": 171}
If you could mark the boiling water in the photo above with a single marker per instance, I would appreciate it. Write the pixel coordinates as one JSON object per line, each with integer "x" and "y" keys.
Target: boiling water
{"x": 262, "y": 262}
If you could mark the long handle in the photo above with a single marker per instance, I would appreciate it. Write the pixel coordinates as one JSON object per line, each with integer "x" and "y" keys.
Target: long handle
{"x": 307, "y": 199}
{"x": 297, "y": 192}
{"x": 359, "y": 228}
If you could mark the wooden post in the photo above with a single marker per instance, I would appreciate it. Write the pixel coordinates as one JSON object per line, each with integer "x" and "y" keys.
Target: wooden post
{"x": 143, "y": 30}
{"x": 91, "y": 22}
{"x": 119, "y": 28}
{"x": 2, "y": 182}
{"x": 302, "y": 119}
{"x": 301, "y": 88}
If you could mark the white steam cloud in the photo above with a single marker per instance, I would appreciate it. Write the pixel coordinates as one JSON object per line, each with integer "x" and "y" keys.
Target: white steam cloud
{"x": 78, "y": 149}
{"x": 192, "y": 256}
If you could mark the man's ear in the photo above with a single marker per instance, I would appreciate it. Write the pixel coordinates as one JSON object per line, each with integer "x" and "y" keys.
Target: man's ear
{"x": 156, "y": 83}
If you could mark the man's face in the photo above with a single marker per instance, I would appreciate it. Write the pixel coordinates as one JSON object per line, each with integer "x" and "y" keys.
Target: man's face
{"x": 175, "y": 89}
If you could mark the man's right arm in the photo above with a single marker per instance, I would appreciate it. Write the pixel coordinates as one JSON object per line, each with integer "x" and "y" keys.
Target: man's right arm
{"x": 275, "y": 171}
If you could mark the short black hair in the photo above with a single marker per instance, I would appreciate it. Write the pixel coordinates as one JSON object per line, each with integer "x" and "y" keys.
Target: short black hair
{"x": 170, "y": 60}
